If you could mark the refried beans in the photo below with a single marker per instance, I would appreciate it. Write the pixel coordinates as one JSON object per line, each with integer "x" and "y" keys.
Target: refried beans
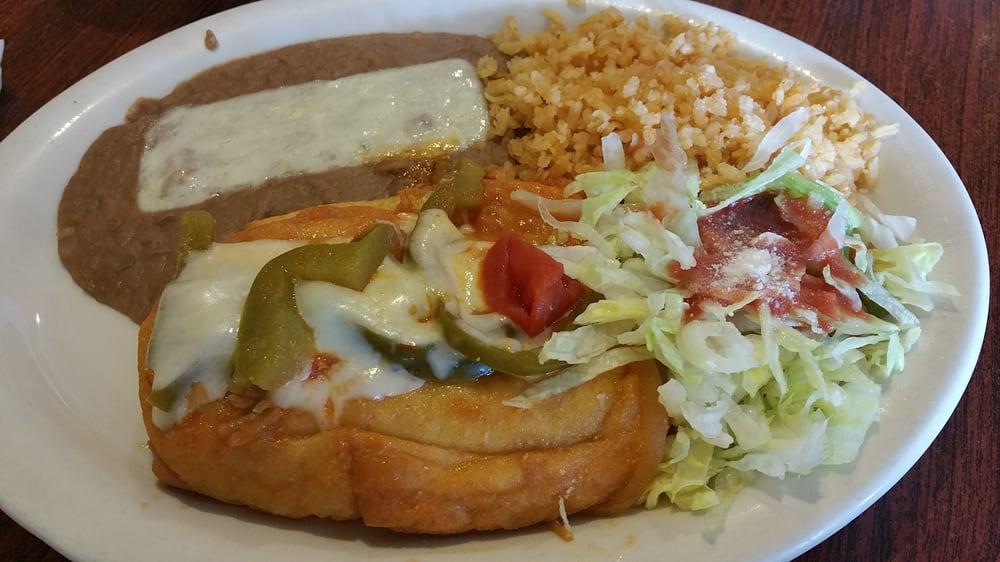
{"x": 124, "y": 257}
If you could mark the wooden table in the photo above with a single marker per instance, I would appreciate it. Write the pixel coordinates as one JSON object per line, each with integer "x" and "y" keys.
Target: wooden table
{"x": 938, "y": 58}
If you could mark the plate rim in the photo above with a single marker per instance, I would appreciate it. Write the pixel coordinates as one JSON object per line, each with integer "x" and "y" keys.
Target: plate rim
{"x": 19, "y": 511}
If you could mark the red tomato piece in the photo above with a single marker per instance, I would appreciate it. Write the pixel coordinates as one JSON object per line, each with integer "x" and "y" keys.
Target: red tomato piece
{"x": 524, "y": 284}
{"x": 798, "y": 254}
{"x": 823, "y": 298}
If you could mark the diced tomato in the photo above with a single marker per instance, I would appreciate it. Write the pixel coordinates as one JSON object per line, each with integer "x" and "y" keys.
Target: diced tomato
{"x": 823, "y": 298}
{"x": 799, "y": 247}
{"x": 741, "y": 222}
{"x": 808, "y": 218}
{"x": 524, "y": 284}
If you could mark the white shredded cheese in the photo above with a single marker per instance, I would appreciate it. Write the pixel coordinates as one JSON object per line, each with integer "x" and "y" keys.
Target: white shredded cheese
{"x": 751, "y": 266}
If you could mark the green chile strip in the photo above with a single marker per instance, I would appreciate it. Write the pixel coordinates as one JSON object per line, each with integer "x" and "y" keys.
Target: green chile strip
{"x": 414, "y": 359}
{"x": 274, "y": 343}
{"x": 461, "y": 191}
{"x": 165, "y": 397}
{"x": 520, "y": 363}
{"x": 196, "y": 233}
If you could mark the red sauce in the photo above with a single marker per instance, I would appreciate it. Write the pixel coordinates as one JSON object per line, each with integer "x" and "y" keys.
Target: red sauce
{"x": 808, "y": 220}
{"x": 740, "y": 223}
{"x": 817, "y": 295}
{"x": 322, "y": 363}
{"x": 774, "y": 247}
{"x": 659, "y": 210}
{"x": 499, "y": 215}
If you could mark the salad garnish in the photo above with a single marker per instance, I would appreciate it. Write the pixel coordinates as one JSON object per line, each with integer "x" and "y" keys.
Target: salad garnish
{"x": 777, "y": 306}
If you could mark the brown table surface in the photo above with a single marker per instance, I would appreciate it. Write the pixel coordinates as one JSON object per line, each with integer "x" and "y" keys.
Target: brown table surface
{"x": 939, "y": 59}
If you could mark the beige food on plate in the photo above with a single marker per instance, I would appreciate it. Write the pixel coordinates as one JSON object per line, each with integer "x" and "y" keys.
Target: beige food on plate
{"x": 587, "y": 268}
{"x": 564, "y": 88}
{"x": 445, "y": 458}
{"x": 117, "y": 230}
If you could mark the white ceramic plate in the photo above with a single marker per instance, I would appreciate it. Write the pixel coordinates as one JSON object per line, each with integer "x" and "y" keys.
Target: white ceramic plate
{"x": 74, "y": 468}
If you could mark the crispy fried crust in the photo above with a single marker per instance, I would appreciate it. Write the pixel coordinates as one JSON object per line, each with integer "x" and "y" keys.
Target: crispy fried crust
{"x": 441, "y": 459}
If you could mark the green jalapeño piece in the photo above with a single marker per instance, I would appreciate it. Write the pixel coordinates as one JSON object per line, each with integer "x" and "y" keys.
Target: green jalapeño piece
{"x": 417, "y": 360}
{"x": 460, "y": 191}
{"x": 521, "y": 363}
{"x": 274, "y": 344}
{"x": 196, "y": 233}
{"x": 166, "y": 398}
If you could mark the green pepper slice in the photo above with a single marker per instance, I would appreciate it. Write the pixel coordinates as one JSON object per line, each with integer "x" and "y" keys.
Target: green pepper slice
{"x": 165, "y": 397}
{"x": 196, "y": 233}
{"x": 568, "y": 322}
{"x": 274, "y": 343}
{"x": 460, "y": 191}
{"x": 520, "y": 363}
{"x": 414, "y": 359}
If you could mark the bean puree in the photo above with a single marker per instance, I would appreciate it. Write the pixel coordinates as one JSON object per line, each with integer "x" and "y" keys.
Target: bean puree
{"x": 124, "y": 257}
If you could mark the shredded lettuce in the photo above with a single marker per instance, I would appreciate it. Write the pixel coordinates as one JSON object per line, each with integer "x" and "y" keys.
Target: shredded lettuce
{"x": 685, "y": 481}
{"x": 772, "y": 354}
{"x": 843, "y": 287}
{"x": 562, "y": 208}
{"x": 904, "y": 269}
{"x": 753, "y": 425}
{"x": 580, "y": 345}
{"x": 672, "y": 185}
{"x": 716, "y": 346}
{"x": 576, "y": 375}
{"x": 797, "y": 184}
{"x": 749, "y": 425}
{"x": 883, "y": 298}
{"x": 613, "y": 152}
{"x": 796, "y": 445}
{"x": 613, "y": 310}
{"x": 749, "y": 391}
{"x": 580, "y": 230}
{"x": 862, "y": 256}
{"x": 595, "y": 207}
{"x": 787, "y": 160}
{"x": 885, "y": 231}
{"x": 849, "y": 422}
{"x": 659, "y": 339}
{"x": 595, "y": 184}
{"x": 602, "y": 274}
{"x": 777, "y": 137}
{"x": 658, "y": 246}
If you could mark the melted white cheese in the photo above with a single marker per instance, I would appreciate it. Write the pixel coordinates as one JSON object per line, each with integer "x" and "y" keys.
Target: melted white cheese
{"x": 361, "y": 371}
{"x": 442, "y": 359}
{"x": 395, "y": 304}
{"x": 450, "y": 263}
{"x": 464, "y": 266}
{"x": 194, "y": 153}
{"x": 198, "y": 316}
{"x": 432, "y": 235}
{"x": 398, "y": 303}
